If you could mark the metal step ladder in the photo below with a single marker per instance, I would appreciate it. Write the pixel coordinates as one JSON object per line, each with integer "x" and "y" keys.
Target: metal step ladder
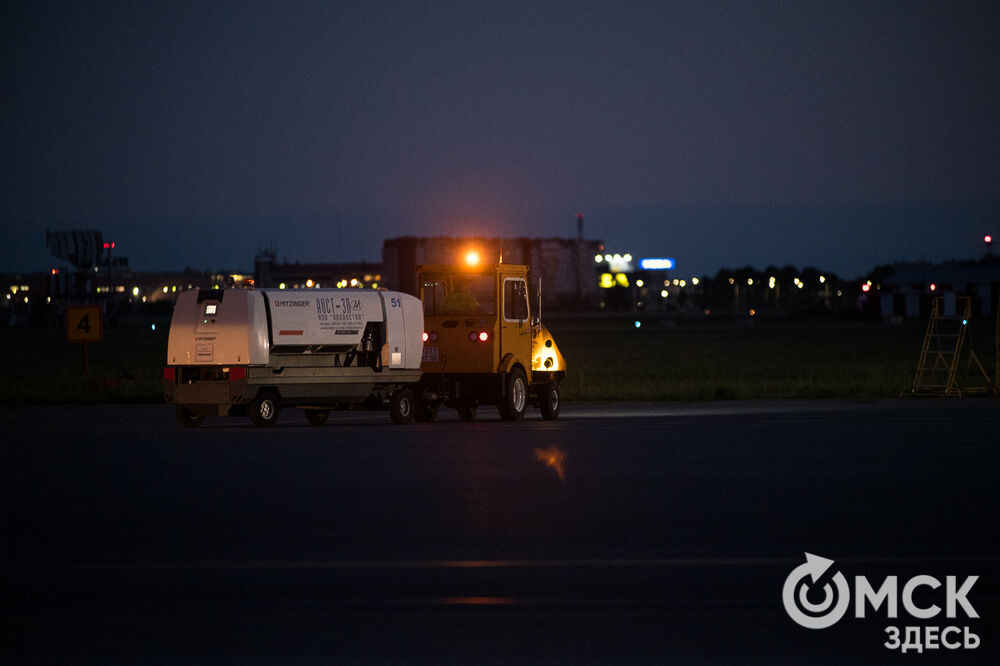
{"x": 996, "y": 348}
{"x": 944, "y": 357}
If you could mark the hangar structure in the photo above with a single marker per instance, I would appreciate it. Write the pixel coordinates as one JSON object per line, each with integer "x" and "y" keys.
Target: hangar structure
{"x": 910, "y": 290}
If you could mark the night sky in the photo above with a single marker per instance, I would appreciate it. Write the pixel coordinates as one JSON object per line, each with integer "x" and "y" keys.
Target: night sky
{"x": 842, "y": 134}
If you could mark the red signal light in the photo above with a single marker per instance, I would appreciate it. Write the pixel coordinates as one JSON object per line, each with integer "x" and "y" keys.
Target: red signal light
{"x": 483, "y": 336}
{"x": 988, "y": 239}
{"x": 426, "y": 337}
{"x": 933, "y": 287}
{"x": 107, "y": 245}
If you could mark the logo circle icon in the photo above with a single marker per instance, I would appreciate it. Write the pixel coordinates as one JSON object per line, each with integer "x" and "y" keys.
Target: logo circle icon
{"x": 797, "y": 586}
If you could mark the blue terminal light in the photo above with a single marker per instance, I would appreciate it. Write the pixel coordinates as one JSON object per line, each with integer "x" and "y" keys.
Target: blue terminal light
{"x": 661, "y": 264}
{"x": 638, "y": 324}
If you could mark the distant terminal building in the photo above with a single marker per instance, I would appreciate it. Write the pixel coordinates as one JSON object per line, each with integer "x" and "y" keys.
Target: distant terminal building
{"x": 139, "y": 286}
{"x": 576, "y": 273}
{"x": 269, "y": 273}
{"x": 88, "y": 269}
{"x": 565, "y": 266}
{"x": 38, "y": 299}
{"x": 908, "y": 291}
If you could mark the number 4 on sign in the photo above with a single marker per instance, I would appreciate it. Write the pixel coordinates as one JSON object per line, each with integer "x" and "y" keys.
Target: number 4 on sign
{"x": 84, "y": 324}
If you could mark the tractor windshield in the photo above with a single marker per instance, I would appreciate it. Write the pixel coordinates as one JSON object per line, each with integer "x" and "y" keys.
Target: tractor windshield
{"x": 458, "y": 295}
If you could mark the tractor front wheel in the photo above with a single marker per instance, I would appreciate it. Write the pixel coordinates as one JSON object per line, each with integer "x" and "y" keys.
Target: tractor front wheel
{"x": 548, "y": 401}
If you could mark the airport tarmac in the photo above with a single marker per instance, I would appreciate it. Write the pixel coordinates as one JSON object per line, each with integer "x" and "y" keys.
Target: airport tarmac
{"x": 622, "y": 533}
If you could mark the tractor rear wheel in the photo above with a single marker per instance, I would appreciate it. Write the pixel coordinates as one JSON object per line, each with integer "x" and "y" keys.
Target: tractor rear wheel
{"x": 426, "y": 412}
{"x": 467, "y": 410}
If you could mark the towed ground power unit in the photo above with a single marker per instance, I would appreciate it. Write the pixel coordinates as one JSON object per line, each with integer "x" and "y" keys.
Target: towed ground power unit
{"x": 252, "y": 352}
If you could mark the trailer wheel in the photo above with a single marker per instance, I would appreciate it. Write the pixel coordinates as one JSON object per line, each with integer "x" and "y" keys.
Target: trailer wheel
{"x": 467, "y": 410}
{"x": 264, "y": 409}
{"x": 187, "y": 418}
{"x": 548, "y": 401}
{"x": 515, "y": 398}
{"x": 402, "y": 406}
{"x": 426, "y": 412}
{"x": 317, "y": 417}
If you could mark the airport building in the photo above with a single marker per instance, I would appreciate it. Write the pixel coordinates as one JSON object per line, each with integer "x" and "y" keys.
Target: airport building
{"x": 565, "y": 266}
{"x": 268, "y": 273}
{"x": 576, "y": 273}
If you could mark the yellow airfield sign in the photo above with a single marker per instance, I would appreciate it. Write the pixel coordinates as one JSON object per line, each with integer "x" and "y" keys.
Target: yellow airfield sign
{"x": 84, "y": 323}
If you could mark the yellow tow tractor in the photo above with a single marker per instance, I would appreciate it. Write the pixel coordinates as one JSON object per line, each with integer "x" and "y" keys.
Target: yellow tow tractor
{"x": 482, "y": 345}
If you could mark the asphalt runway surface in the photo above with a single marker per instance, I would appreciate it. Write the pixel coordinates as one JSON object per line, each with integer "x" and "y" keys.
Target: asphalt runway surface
{"x": 617, "y": 534}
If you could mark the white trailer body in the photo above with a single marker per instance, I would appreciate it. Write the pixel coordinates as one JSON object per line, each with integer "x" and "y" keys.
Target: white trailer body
{"x": 320, "y": 349}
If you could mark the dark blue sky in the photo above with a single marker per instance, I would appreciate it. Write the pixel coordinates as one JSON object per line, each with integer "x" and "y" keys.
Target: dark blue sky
{"x": 839, "y": 134}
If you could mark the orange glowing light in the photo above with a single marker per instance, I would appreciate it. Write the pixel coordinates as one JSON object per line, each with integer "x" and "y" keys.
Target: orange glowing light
{"x": 552, "y": 457}
{"x": 472, "y": 258}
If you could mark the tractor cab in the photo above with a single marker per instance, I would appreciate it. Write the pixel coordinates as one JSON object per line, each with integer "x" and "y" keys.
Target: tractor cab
{"x": 481, "y": 344}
